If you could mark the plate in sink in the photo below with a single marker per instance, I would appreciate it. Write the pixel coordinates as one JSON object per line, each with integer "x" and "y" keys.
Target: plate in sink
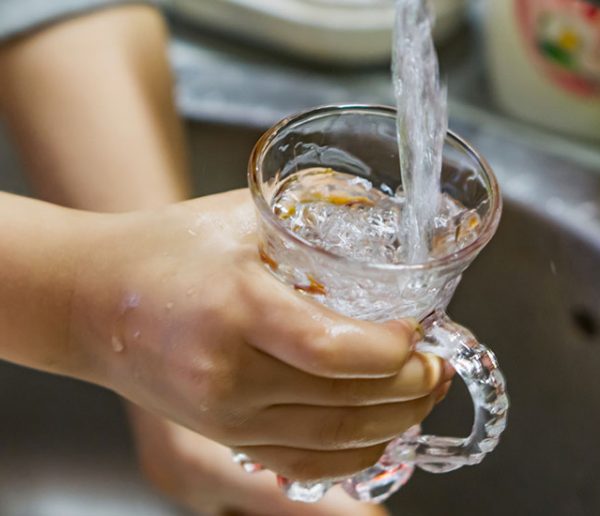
{"x": 340, "y": 31}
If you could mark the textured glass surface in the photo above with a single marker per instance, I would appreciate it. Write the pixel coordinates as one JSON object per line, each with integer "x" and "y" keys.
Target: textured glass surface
{"x": 361, "y": 141}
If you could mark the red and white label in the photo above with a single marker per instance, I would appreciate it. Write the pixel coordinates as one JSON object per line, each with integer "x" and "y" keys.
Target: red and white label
{"x": 564, "y": 38}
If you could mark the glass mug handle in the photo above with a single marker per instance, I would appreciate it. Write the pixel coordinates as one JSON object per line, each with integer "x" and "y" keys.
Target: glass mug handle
{"x": 478, "y": 368}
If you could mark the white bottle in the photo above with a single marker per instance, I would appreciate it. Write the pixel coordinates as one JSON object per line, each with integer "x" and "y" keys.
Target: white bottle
{"x": 544, "y": 61}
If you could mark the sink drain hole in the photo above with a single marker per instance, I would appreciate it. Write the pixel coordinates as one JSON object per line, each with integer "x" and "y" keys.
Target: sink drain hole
{"x": 585, "y": 322}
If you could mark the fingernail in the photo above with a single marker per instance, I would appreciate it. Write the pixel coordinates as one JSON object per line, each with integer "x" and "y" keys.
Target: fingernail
{"x": 448, "y": 372}
{"x": 418, "y": 335}
{"x": 442, "y": 392}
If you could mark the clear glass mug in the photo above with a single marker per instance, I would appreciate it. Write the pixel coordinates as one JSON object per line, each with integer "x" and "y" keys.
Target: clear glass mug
{"x": 361, "y": 140}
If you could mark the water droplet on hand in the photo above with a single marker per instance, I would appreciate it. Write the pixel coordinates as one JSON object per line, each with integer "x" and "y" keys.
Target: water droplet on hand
{"x": 117, "y": 344}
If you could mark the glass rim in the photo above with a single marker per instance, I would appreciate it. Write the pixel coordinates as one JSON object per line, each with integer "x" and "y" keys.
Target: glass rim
{"x": 254, "y": 171}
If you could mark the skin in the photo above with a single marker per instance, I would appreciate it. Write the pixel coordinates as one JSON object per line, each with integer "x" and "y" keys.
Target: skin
{"x": 169, "y": 305}
{"x": 199, "y": 311}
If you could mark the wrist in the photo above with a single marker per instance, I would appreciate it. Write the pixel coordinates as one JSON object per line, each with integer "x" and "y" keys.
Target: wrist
{"x": 39, "y": 264}
{"x": 96, "y": 300}
{"x": 105, "y": 297}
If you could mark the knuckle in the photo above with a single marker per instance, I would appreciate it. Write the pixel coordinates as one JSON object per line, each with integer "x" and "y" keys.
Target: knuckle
{"x": 216, "y": 311}
{"x": 337, "y": 429}
{"x": 230, "y": 427}
{"x": 399, "y": 338}
{"x": 245, "y": 290}
{"x": 225, "y": 388}
{"x": 351, "y": 392}
{"x": 250, "y": 290}
{"x": 318, "y": 350}
{"x": 370, "y": 456}
{"x": 220, "y": 386}
{"x": 298, "y": 466}
{"x": 223, "y": 414}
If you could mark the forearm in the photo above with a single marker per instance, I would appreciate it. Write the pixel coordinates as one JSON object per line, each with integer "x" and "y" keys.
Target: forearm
{"x": 40, "y": 245}
{"x": 89, "y": 105}
{"x": 120, "y": 147}
{"x": 99, "y": 129}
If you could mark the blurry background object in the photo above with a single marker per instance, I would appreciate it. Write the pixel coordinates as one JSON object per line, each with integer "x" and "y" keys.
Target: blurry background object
{"x": 544, "y": 62}
{"x": 340, "y": 31}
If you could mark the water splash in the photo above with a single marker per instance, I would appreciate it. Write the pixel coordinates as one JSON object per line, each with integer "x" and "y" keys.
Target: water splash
{"x": 422, "y": 122}
{"x": 129, "y": 303}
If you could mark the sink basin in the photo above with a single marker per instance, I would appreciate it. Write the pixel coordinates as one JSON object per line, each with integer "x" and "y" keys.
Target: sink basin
{"x": 66, "y": 451}
{"x": 533, "y": 296}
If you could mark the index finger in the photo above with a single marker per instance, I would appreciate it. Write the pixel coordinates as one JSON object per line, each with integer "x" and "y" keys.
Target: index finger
{"x": 310, "y": 337}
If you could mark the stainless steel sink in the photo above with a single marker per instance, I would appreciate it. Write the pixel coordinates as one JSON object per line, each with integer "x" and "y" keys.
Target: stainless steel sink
{"x": 66, "y": 451}
{"x": 533, "y": 296}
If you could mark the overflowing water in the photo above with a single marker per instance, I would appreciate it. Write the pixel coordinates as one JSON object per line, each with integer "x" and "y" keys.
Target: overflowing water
{"x": 422, "y": 122}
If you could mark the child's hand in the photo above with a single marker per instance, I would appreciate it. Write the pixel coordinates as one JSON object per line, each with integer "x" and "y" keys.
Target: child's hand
{"x": 189, "y": 324}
